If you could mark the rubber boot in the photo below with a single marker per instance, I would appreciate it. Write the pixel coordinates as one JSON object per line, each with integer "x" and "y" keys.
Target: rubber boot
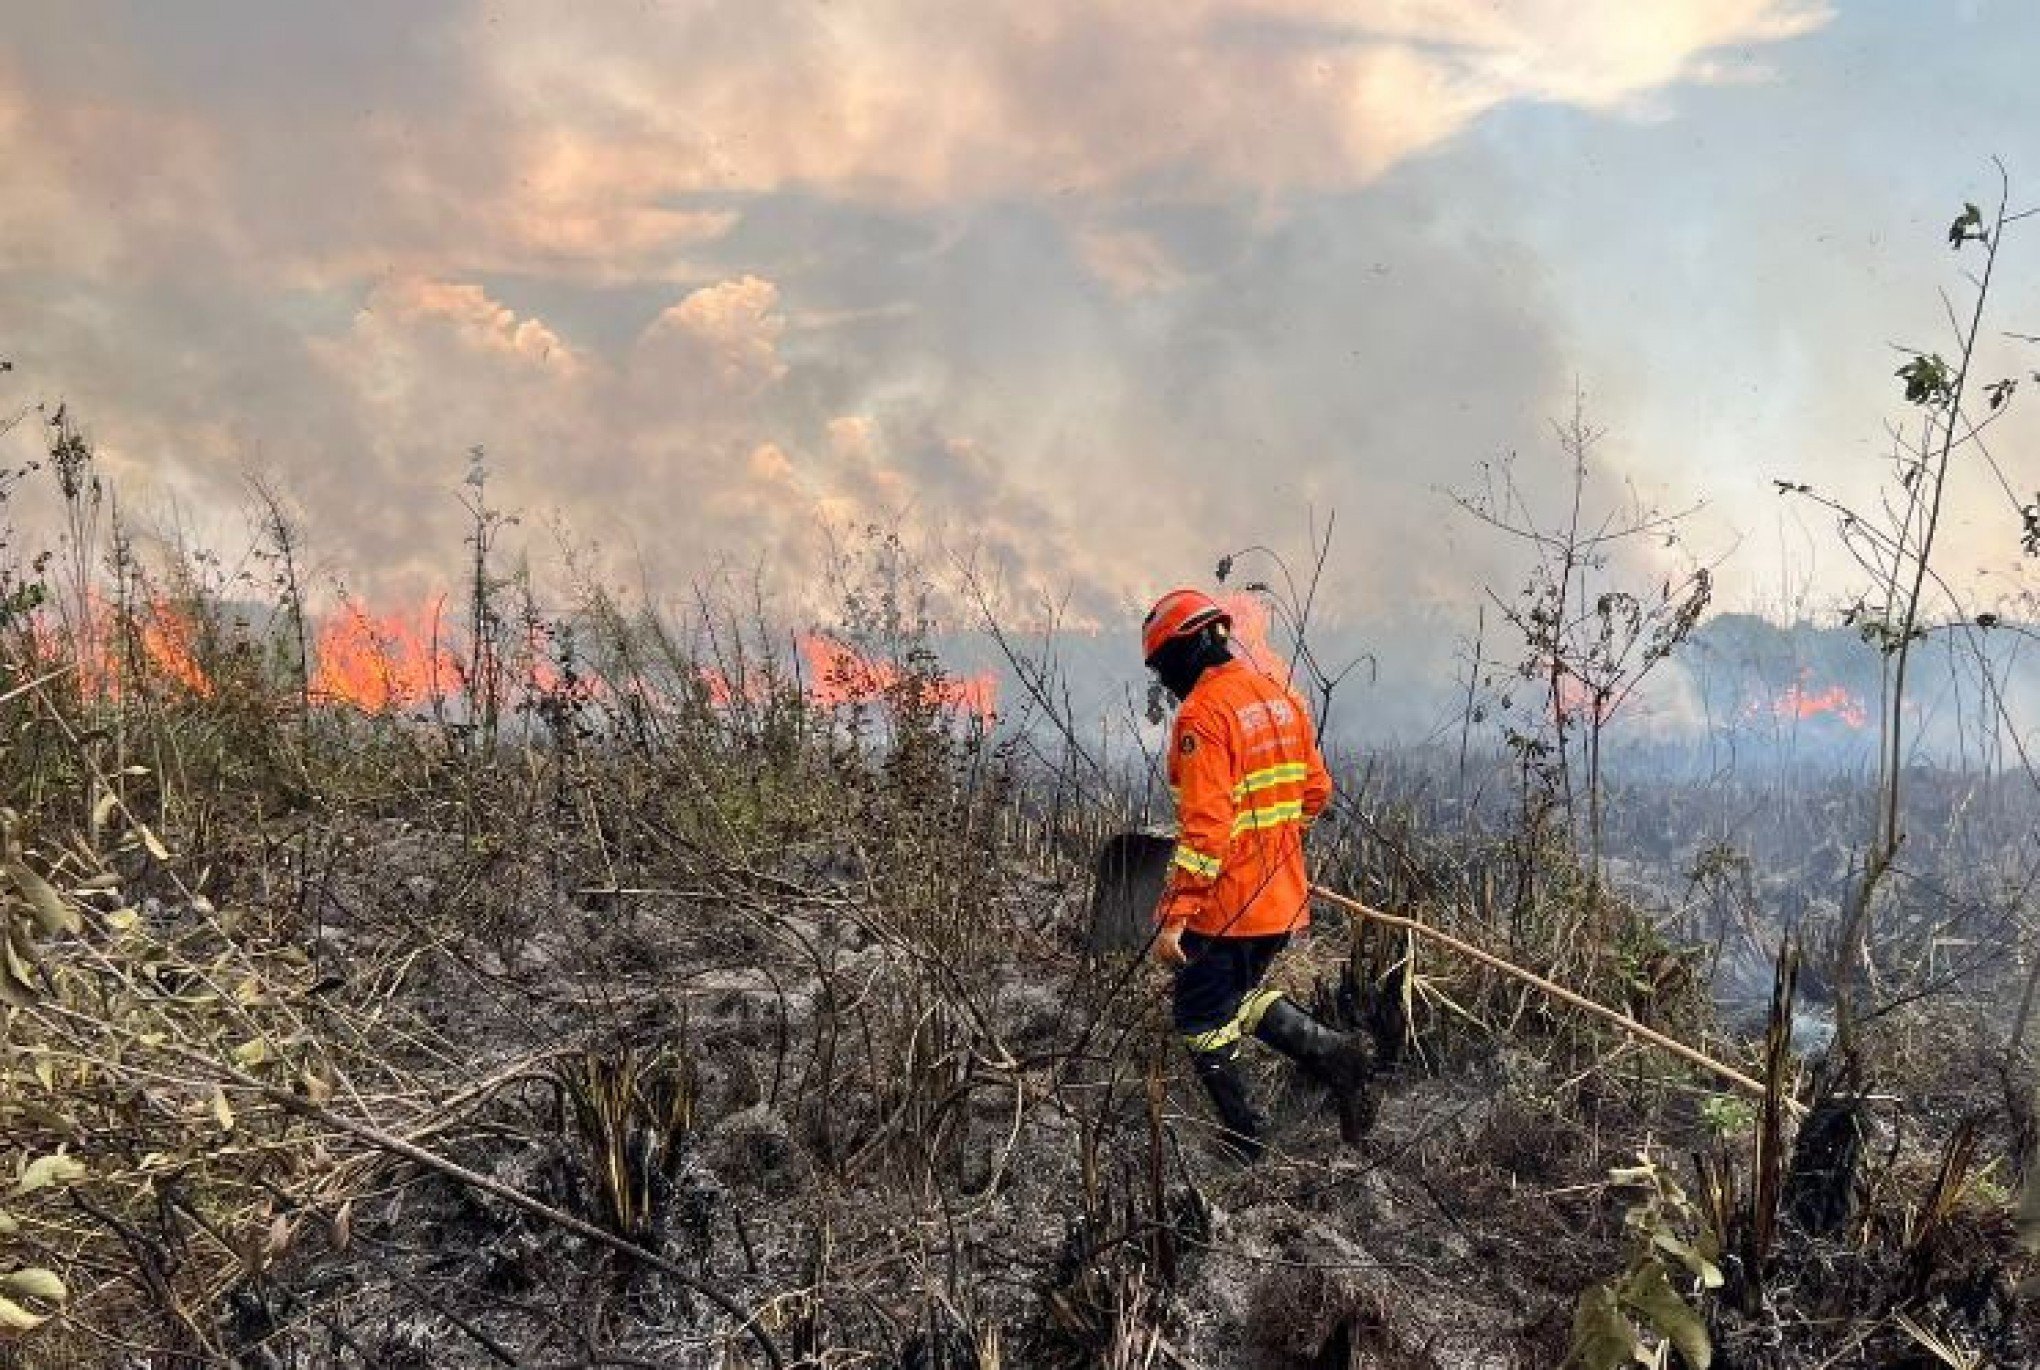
{"x": 1340, "y": 1061}
{"x": 1224, "y": 1080}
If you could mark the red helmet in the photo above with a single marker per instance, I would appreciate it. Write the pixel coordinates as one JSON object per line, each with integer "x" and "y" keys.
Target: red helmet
{"x": 1179, "y": 613}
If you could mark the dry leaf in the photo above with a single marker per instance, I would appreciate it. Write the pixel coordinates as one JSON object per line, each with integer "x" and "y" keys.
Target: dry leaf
{"x": 15, "y": 1318}
{"x": 281, "y": 1229}
{"x": 52, "y": 914}
{"x": 343, "y": 1227}
{"x": 34, "y": 1283}
{"x": 45, "y": 1172}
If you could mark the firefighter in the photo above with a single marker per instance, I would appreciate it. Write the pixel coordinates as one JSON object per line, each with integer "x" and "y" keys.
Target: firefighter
{"x": 1248, "y": 779}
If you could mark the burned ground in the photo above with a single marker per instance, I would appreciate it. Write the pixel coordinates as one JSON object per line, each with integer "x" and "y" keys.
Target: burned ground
{"x": 675, "y": 1016}
{"x": 853, "y": 1069}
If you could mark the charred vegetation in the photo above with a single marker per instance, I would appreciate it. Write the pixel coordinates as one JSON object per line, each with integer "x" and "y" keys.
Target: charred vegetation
{"x": 546, "y": 984}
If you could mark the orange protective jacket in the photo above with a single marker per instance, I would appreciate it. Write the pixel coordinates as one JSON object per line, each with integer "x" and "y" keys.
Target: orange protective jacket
{"x": 1248, "y": 778}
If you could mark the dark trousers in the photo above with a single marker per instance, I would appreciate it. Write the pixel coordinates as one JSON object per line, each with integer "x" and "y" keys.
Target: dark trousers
{"x": 1223, "y": 972}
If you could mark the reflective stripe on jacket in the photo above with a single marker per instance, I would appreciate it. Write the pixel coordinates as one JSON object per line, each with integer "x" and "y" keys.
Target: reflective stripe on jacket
{"x": 1248, "y": 778}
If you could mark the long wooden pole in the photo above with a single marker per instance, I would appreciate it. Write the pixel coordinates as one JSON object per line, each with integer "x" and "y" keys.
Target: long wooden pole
{"x": 1748, "y": 1084}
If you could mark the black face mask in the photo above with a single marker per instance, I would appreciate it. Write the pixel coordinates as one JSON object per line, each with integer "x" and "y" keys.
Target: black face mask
{"x": 1182, "y": 660}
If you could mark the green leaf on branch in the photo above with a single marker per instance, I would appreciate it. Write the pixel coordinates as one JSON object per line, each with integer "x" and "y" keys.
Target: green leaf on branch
{"x": 1968, "y": 227}
{"x": 1929, "y": 380}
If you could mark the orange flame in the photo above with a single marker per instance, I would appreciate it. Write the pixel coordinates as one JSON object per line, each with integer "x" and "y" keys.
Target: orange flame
{"x": 161, "y": 641}
{"x": 1800, "y": 700}
{"x": 1576, "y": 702}
{"x": 379, "y": 662}
{"x": 547, "y": 668}
{"x": 724, "y": 692}
{"x": 1251, "y": 622}
{"x": 839, "y": 675}
{"x": 168, "y": 640}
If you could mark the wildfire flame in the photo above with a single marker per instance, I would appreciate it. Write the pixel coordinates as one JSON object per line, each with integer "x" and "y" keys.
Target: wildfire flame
{"x": 724, "y": 692}
{"x": 167, "y": 641}
{"x": 379, "y": 662}
{"x": 159, "y": 641}
{"x": 376, "y": 661}
{"x": 1251, "y": 621}
{"x": 1800, "y": 700}
{"x": 838, "y": 674}
{"x": 382, "y": 661}
{"x": 1576, "y": 702}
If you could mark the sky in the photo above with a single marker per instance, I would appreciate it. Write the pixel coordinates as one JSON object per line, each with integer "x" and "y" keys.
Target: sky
{"x": 1078, "y": 295}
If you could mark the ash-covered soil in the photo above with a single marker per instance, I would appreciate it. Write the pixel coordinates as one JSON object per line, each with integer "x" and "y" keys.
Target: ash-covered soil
{"x": 892, "y": 1153}
{"x": 964, "y": 1143}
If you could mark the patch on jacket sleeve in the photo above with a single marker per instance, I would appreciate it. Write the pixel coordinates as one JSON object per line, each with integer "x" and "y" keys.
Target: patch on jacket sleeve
{"x": 1187, "y": 744}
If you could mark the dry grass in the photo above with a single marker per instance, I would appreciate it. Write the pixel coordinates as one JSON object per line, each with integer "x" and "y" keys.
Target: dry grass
{"x": 675, "y": 1017}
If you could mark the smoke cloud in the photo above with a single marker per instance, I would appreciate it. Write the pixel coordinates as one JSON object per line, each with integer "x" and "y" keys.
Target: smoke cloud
{"x": 1083, "y": 295}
